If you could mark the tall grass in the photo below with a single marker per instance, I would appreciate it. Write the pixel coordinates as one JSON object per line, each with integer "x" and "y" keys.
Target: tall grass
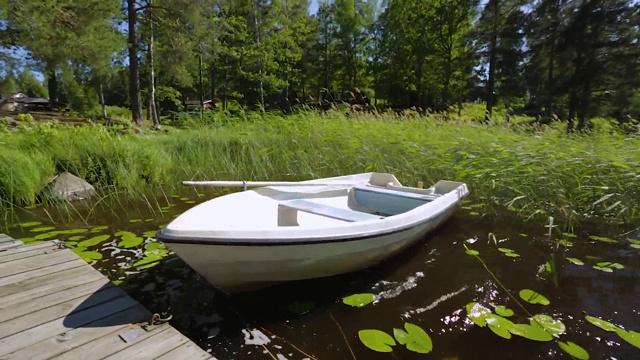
{"x": 542, "y": 172}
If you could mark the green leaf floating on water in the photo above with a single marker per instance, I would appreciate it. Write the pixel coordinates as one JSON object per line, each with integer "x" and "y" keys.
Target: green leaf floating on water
{"x": 635, "y": 246}
{"x": 149, "y": 234}
{"x": 478, "y": 313}
{"x": 565, "y": 243}
{"x": 376, "y": 340}
{"x": 603, "y": 239}
{"x": 574, "y": 350}
{"x": 608, "y": 266}
{"x": 633, "y": 241}
{"x": 152, "y": 246}
{"x": 129, "y": 242}
{"x": 569, "y": 235}
{"x": 87, "y": 256}
{"x": 76, "y": 238}
{"x": 548, "y": 323}
{"x": 575, "y": 261}
{"x": 133, "y": 221}
{"x": 631, "y": 337}
{"x": 500, "y": 326}
{"x": 509, "y": 252}
{"x": 99, "y": 228}
{"x": 359, "y": 300}
{"x": 72, "y": 231}
{"x": 42, "y": 229}
{"x": 533, "y": 297}
{"x": 531, "y": 332}
{"x": 29, "y": 224}
{"x": 503, "y": 311}
{"x": 414, "y": 338}
{"x": 45, "y": 236}
{"x": 94, "y": 241}
{"x": 602, "y": 324}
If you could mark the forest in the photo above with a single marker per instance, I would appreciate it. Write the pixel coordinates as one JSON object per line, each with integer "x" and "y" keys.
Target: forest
{"x": 552, "y": 59}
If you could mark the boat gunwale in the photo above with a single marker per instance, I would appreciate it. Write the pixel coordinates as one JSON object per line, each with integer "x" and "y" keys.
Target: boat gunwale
{"x": 213, "y": 241}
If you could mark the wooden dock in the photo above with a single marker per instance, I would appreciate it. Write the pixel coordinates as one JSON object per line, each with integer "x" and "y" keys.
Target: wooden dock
{"x": 53, "y": 305}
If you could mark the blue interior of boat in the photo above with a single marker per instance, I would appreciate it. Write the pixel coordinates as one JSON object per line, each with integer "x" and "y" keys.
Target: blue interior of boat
{"x": 389, "y": 201}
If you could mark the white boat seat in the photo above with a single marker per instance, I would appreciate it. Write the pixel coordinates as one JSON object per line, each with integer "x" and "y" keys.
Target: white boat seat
{"x": 288, "y": 212}
{"x": 388, "y": 201}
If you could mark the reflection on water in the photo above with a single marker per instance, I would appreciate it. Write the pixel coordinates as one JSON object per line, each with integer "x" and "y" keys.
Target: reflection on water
{"x": 428, "y": 285}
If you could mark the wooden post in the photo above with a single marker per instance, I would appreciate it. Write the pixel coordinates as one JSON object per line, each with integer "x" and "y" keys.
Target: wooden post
{"x": 420, "y": 185}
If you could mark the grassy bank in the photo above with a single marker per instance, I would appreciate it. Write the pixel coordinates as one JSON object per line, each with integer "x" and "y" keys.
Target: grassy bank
{"x": 538, "y": 171}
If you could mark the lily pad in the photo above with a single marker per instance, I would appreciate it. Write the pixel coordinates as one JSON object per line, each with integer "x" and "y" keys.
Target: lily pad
{"x": 29, "y": 224}
{"x": 76, "y": 238}
{"x": 603, "y": 239}
{"x": 45, "y": 236}
{"x": 472, "y": 252}
{"x": 129, "y": 242}
{"x": 565, "y": 243}
{"x": 569, "y": 235}
{"x": 500, "y": 326}
{"x": 478, "y": 313}
{"x": 602, "y": 324}
{"x": 88, "y": 256}
{"x": 533, "y": 297}
{"x": 414, "y": 338}
{"x": 124, "y": 233}
{"x": 359, "y": 300}
{"x": 376, "y": 340}
{"x": 575, "y": 261}
{"x": 574, "y": 350}
{"x": 43, "y": 229}
{"x": 149, "y": 234}
{"x": 153, "y": 246}
{"x": 94, "y": 241}
{"x": 611, "y": 265}
{"x": 633, "y": 241}
{"x": 503, "y": 311}
{"x": 148, "y": 259}
{"x": 133, "y": 221}
{"x": 72, "y": 231}
{"x": 549, "y": 324}
{"x": 531, "y": 332}
{"x": 635, "y": 246}
{"x": 99, "y": 228}
{"x": 631, "y": 337}
{"x": 301, "y": 307}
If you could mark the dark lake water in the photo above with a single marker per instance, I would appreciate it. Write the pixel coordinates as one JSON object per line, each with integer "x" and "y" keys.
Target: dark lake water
{"x": 429, "y": 285}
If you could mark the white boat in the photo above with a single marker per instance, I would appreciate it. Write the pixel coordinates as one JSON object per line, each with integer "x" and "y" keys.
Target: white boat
{"x": 252, "y": 239}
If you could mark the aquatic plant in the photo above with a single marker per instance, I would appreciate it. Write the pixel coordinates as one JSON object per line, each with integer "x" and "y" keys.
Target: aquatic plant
{"x": 549, "y": 173}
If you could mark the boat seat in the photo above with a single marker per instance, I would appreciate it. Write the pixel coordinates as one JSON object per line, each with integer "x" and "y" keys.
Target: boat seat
{"x": 388, "y": 201}
{"x": 288, "y": 212}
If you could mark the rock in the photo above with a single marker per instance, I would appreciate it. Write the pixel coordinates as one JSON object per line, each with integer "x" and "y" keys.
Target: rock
{"x": 70, "y": 187}
{"x": 7, "y": 105}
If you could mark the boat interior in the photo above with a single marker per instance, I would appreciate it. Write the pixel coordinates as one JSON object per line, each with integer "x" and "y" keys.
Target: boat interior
{"x": 365, "y": 202}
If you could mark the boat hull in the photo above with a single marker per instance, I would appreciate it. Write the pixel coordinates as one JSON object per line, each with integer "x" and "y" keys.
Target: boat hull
{"x": 234, "y": 267}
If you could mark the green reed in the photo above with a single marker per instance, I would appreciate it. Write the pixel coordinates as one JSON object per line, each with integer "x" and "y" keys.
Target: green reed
{"x": 534, "y": 170}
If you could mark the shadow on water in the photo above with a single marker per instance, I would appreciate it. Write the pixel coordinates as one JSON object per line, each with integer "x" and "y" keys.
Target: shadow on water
{"x": 429, "y": 285}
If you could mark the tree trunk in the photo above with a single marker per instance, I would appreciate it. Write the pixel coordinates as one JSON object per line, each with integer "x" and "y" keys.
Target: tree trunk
{"x": 552, "y": 58}
{"x": 212, "y": 85}
{"x": 104, "y": 106}
{"x": 52, "y": 84}
{"x": 152, "y": 78}
{"x": 201, "y": 83}
{"x": 492, "y": 63}
{"x": 419, "y": 85}
{"x": 584, "y": 105}
{"x": 572, "y": 111}
{"x": 134, "y": 77}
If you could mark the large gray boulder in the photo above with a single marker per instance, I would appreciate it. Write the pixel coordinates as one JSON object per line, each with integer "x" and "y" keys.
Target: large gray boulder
{"x": 70, "y": 187}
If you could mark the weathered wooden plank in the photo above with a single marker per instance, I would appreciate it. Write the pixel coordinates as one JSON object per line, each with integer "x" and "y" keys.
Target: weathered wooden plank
{"x": 187, "y": 351}
{"x": 6, "y": 239}
{"x": 10, "y": 246}
{"x": 14, "y": 326}
{"x": 110, "y": 345}
{"x": 83, "y": 290}
{"x": 40, "y": 272}
{"x": 44, "y": 285}
{"x": 35, "y": 262}
{"x": 152, "y": 347}
{"x": 27, "y": 251}
{"x": 79, "y": 319}
{"x": 92, "y": 334}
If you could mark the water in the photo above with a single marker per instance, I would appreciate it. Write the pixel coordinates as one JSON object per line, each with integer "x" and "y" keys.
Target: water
{"x": 428, "y": 285}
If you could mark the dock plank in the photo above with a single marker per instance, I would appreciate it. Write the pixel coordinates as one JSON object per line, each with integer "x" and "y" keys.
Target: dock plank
{"x": 42, "y": 332}
{"x": 47, "y": 301}
{"x": 77, "y": 303}
{"x": 5, "y": 239}
{"x": 186, "y": 351}
{"x": 26, "y": 251}
{"x": 44, "y": 285}
{"x": 75, "y": 338}
{"x": 151, "y": 347}
{"x": 40, "y": 272}
{"x": 38, "y": 261}
{"x": 55, "y": 305}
